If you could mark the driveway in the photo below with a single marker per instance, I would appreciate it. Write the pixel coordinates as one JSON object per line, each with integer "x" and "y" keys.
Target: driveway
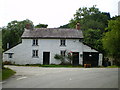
{"x": 38, "y": 77}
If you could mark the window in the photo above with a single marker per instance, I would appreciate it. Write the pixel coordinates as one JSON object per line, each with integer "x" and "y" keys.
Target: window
{"x": 63, "y": 53}
{"x": 35, "y": 42}
{"x": 35, "y": 53}
{"x": 62, "y": 42}
{"x": 10, "y": 55}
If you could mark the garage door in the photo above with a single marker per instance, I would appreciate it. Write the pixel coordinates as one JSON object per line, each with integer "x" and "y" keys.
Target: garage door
{"x": 91, "y": 58}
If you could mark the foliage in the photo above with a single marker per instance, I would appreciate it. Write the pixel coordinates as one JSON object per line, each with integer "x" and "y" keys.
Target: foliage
{"x": 59, "y": 57}
{"x": 62, "y": 58}
{"x": 41, "y": 26}
{"x": 93, "y": 23}
{"x": 93, "y": 38}
{"x": 12, "y": 32}
{"x": 111, "y": 40}
{"x": 114, "y": 66}
{"x": 65, "y": 26}
{"x": 6, "y": 73}
{"x": 7, "y": 63}
{"x": 69, "y": 57}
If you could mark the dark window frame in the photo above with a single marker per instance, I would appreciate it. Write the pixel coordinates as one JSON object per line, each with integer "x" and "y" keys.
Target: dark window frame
{"x": 35, "y": 42}
{"x": 62, "y": 52}
{"x": 10, "y": 55}
{"x": 62, "y": 42}
{"x": 35, "y": 53}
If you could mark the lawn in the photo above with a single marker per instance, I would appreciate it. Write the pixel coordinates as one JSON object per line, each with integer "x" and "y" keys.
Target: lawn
{"x": 6, "y": 73}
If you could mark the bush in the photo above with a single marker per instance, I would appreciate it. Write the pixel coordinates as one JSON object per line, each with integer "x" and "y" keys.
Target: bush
{"x": 59, "y": 57}
{"x": 7, "y": 63}
{"x": 63, "y": 58}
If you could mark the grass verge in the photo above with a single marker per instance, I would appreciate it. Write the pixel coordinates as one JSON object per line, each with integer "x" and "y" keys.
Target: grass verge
{"x": 6, "y": 73}
{"x": 59, "y": 66}
{"x": 114, "y": 66}
{"x": 51, "y": 65}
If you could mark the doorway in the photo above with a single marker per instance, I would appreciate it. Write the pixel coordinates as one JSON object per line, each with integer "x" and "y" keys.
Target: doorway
{"x": 46, "y": 58}
{"x": 75, "y": 61}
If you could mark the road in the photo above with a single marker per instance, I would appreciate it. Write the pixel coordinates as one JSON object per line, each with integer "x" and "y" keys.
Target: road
{"x": 38, "y": 77}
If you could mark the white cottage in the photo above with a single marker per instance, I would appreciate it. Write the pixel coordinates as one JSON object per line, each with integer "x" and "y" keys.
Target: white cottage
{"x": 40, "y": 45}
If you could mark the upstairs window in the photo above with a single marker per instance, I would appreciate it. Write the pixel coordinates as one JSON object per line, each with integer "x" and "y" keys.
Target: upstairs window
{"x": 35, "y": 42}
{"x": 62, "y": 42}
{"x": 63, "y": 53}
{"x": 35, "y": 53}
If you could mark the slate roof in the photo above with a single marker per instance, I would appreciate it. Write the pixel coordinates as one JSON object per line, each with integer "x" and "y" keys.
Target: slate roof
{"x": 52, "y": 33}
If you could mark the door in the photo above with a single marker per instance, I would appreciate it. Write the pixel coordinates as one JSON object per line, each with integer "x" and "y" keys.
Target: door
{"x": 75, "y": 61}
{"x": 46, "y": 58}
{"x": 91, "y": 58}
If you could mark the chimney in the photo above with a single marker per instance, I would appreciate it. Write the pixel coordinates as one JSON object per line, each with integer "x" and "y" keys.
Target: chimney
{"x": 29, "y": 26}
{"x": 78, "y": 26}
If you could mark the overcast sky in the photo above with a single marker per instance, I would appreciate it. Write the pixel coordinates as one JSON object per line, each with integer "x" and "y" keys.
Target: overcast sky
{"x": 52, "y": 12}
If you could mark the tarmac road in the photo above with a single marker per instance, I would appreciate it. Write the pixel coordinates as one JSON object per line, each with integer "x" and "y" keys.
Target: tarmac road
{"x": 38, "y": 77}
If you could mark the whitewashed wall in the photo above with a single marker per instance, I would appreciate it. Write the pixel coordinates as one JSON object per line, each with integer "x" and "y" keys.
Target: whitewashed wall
{"x": 23, "y": 52}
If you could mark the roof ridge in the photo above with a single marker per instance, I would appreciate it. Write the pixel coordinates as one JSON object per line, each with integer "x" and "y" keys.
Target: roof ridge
{"x": 53, "y": 32}
{"x": 56, "y": 28}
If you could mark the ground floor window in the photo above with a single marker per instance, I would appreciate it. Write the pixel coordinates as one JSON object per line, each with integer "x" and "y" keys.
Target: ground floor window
{"x": 10, "y": 55}
{"x": 63, "y": 52}
{"x": 35, "y": 53}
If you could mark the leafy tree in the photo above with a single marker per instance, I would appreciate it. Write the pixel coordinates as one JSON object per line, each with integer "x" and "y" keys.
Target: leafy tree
{"x": 111, "y": 40}
{"x": 12, "y": 32}
{"x": 92, "y": 37}
{"x": 65, "y": 26}
{"x": 93, "y": 23}
{"x": 90, "y": 18}
{"x": 41, "y": 26}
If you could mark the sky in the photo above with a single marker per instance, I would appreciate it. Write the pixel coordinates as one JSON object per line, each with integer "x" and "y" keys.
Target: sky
{"x": 52, "y": 12}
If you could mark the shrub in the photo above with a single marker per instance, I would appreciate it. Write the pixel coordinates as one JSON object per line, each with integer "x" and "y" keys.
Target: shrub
{"x": 7, "y": 63}
{"x": 59, "y": 57}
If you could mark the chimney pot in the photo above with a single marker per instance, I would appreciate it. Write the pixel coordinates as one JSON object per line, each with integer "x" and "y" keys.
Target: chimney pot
{"x": 78, "y": 26}
{"x": 28, "y": 26}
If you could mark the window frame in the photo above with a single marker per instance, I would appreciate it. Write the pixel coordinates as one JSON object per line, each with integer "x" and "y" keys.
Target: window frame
{"x": 10, "y": 55}
{"x": 63, "y": 53}
{"x": 62, "y": 42}
{"x": 35, "y": 42}
{"x": 35, "y": 53}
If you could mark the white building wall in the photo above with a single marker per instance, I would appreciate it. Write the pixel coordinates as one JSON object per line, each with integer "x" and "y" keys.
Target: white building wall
{"x": 100, "y": 59}
{"x": 23, "y": 52}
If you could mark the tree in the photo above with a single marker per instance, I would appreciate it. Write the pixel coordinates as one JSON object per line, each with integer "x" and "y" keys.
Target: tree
{"x": 12, "y": 32}
{"x": 93, "y": 38}
{"x": 90, "y": 18}
{"x": 111, "y": 40}
{"x": 41, "y": 26}
{"x": 93, "y": 23}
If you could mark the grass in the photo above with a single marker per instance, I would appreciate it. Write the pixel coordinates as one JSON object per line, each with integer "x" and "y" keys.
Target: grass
{"x": 51, "y": 65}
{"x": 6, "y": 73}
{"x": 59, "y": 66}
{"x": 114, "y": 66}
